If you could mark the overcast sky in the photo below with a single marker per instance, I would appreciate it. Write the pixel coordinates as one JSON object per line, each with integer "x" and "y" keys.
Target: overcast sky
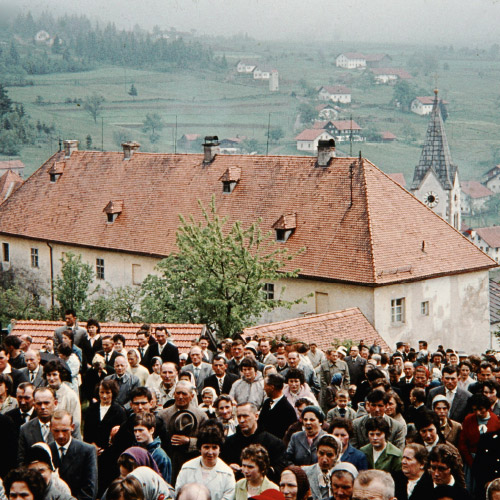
{"x": 413, "y": 21}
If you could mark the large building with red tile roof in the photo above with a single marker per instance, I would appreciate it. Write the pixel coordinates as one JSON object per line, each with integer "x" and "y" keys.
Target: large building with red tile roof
{"x": 183, "y": 335}
{"x": 474, "y": 197}
{"x": 326, "y": 330}
{"x": 361, "y": 240}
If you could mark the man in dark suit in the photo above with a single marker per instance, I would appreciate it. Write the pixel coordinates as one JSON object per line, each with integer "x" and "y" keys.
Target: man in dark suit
{"x": 76, "y": 460}
{"x": 16, "y": 375}
{"x": 206, "y": 354}
{"x": 162, "y": 348}
{"x": 277, "y": 414}
{"x": 457, "y": 397}
{"x": 221, "y": 380}
{"x": 33, "y": 370}
{"x": 71, "y": 324}
{"x": 356, "y": 365}
{"x": 9, "y": 445}
{"x": 143, "y": 338}
{"x": 108, "y": 354}
{"x": 25, "y": 410}
{"x": 38, "y": 429}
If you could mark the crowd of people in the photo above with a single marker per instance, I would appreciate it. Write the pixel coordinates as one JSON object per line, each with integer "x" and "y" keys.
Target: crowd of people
{"x": 88, "y": 417}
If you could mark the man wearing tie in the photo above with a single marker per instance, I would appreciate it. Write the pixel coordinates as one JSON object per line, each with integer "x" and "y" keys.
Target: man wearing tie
{"x": 198, "y": 368}
{"x": 143, "y": 344}
{"x": 33, "y": 371}
{"x": 75, "y": 460}
{"x": 221, "y": 380}
{"x": 25, "y": 410}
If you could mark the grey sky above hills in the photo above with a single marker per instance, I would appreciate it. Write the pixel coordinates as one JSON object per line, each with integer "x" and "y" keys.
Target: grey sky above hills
{"x": 400, "y": 21}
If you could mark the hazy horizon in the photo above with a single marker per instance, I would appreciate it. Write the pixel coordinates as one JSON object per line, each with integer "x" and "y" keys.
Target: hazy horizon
{"x": 441, "y": 22}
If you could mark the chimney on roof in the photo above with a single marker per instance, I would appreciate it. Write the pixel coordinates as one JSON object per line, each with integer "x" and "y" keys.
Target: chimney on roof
{"x": 70, "y": 146}
{"x": 326, "y": 151}
{"x": 210, "y": 148}
{"x": 129, "y": 149}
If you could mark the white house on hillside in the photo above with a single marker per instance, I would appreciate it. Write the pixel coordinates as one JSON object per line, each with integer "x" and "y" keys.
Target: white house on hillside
{"x": 474, "y": 197}
{"x": 308, "y": 139}
{"x": 336, "y": 93}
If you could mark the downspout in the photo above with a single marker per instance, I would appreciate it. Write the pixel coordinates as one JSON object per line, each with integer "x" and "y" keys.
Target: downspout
{"x": 51, "y": 277}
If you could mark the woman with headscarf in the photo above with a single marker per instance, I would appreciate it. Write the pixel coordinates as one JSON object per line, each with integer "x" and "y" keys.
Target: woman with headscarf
{"x": 138, "y": 463}
{"x": 133, "y": 358}
{"x": 294, "y": 483}
{"x": 39, "y": 458}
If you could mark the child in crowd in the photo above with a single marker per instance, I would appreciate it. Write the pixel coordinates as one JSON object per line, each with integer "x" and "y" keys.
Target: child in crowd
{"x": 342, "y": 408}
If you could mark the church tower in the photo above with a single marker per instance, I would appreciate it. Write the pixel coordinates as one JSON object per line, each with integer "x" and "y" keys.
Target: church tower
{"x": 435, "y": 180}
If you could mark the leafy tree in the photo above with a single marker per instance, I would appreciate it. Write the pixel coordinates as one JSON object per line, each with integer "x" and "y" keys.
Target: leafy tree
{"x": 409, "y": 132}
{"x": 9, "y": 143}
{"x": 153, "y": 124}
{"x": 276, "y": 134}
{"x": 132, "y": 91}
{"x": 20, "y": 296}
{"x": 252, "y": 146}
{"x": 217, "y": 275}
{"x": 5, "y": 102}
{"x": 88, "y": 141}
{"x": 403, "y": 95}
{"x": 93, "y": 105}
{"x": 125, "y": 304}
{"x": 308, "y": 113}
{"x": 72, "y": 285}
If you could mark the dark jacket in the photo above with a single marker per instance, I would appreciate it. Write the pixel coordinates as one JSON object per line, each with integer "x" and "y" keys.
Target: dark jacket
{"x": 78, "y": 468}
{"x": 355, "y": 457}
{"x": 422, "y": 490}
{"x": 279, "y": 419}
{"x": 233, "y": 446}
{"x": 229, "y": 380}
{"x": 458, "y": 410}
{"x": 96, "y": 430}
{"x": 169, "y": 353}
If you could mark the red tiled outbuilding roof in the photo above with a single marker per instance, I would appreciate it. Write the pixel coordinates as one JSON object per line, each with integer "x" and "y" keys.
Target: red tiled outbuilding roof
{"x": 9, "y": 182}
{"x": 353, "y": 222}
{"x": 401, "y": 73}
{"x": 326, "y": 330}
{"x": 475, "y": 189}
{"x": 184, "y": 335}
{"x": 336, "y": 89}
{"x": 309, "y": 134}
{"x": 491, "y": 235}
{"x": 345, "y": 125}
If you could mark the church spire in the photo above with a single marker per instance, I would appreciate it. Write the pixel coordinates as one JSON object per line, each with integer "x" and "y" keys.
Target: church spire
{"x": 436, "y": 152}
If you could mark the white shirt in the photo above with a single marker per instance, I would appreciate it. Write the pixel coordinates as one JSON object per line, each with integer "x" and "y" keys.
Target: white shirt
{"x": 103, "y": 410}
{"x": 274, "y": 401}
{"x": 376, "y": 454}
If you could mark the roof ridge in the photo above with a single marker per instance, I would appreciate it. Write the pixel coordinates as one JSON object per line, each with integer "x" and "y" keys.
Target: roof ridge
{"x": 369, "y": 219}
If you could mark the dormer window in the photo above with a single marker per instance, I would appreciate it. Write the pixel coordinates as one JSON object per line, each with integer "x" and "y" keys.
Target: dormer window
{"x": 113, "y": 209}
{"x": 230, "y": 178}
{"x": 56, "y": 170}
{"x": 284, "y": 227}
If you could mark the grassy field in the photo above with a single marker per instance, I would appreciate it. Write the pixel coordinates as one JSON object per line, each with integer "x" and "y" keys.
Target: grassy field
{"x": 227, "y": 105}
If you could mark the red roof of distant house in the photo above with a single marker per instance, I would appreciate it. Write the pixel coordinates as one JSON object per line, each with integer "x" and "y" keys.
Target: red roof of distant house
{"x": 321, "y": 107}
{"x": 475, "y": 189}
{"x": 388, "y": 136}
{"x": 336, "y": 89}
{"x": 345, "y": 125}
{"x": 401, "y": 73}
{"x": 399, "y": 178}
{"x": 310, "y": 134}
{"x": 321, "y": 124}
{"x": 491, "y": 235}
{"x": 341, "y": 240}
{"x": 184, "y": 335}
{"x": 9, "y": 182}
{"x": 326, "y": 330}
{"x": 11, "y": 164}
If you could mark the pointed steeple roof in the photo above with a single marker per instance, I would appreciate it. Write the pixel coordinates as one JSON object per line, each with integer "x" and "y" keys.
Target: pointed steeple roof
{"x": 436, "y": 152}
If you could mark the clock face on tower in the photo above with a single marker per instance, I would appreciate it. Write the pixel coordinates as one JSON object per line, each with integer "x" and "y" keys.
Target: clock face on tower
{"x": 431, "y": 199}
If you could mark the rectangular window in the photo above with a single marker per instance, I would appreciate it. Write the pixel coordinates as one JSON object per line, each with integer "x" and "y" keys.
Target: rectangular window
{"x": 398, "y": 310}
{"x": 34, "y": 257}
{"x": 268, "y": 291}
{"x": 136, "y": 274}
{"x": 322, "y": 304}
{"x": 5, "y": 252}
{"x": 424, "y": 308}
{"x": 99, "y": 269}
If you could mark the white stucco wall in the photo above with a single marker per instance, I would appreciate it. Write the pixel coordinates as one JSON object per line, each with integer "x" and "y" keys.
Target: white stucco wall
{"x": 118, "y": 266}
{"x": 458, "y": 312}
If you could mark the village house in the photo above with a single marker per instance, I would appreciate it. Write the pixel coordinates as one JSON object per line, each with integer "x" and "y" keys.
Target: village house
{"x": 262, "y": 73}
{"x": 327, "y": 111}
{"x": 423, "y": 105}
{"x": 189, "y": 141}
{"x": 337, "y": 93}
{"x": 387, "y": 136}
{"x": 355, "y": 60}
{"x": 435, "y": 179}
{"x": 389, "y": 76}
{"x": 494, "y": 314}
{"x": 346, "y": 130}
{"x": 474, "y": 197}
{"x": 14, "y": 165}
{"x": 486, "y": 239}
{"x": 359, "y": 239}
{"x": 492, "y": 179}
{"x": 309, "y": 138}
{"x": 245, "y": 67}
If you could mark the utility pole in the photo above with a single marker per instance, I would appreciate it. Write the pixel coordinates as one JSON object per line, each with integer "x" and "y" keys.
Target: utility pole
{"x": 268, "y": 127}
{"x": 102, "y": 133}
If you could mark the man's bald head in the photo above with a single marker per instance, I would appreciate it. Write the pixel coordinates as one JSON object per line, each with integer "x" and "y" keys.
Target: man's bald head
{"x": 193, "y": 491}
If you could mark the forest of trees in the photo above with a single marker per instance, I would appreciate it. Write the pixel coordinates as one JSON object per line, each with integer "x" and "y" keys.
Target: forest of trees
{"x": 77, "y": 45}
